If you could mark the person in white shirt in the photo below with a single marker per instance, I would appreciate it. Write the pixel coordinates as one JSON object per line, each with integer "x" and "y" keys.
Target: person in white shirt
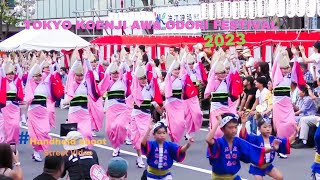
{"x": 261, "y": 99}
{"x": 314, "y": 58}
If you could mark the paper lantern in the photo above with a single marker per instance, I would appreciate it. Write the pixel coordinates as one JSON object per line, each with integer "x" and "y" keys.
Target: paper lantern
{"x": 261, "y": 8}
{"x": 244, "y": 9}
{"x": 271, "y": 7}
{"x": 219, "y": 10}
{"x": 281, "y": 6}
{"x": 252, "y": 9}
{"x": 212, "y": 11}
{"x": 291, "y": 8}
{"x": 204, "y": 11}
{"x": 301, "y": 8}
{"x": 235, "y": 10}
{"x": 311, "y": 8}
{"x": 227, "y": 9}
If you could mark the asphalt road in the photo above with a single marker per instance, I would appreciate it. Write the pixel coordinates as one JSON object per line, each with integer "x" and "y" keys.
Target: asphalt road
{"x": 195, "y": 166}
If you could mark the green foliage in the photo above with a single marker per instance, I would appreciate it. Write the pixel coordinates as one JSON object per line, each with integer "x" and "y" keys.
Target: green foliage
{"x": 6, "y": 16}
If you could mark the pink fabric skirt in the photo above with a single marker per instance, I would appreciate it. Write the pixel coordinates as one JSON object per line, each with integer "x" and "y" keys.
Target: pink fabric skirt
{"x": 97, "y": 113}
{"x": 213, "y": 118}
{"x": 283, "y": 117}
{"x": 51, "y": 112}
{"x": 117, "y": 120}
{"x": 39, "y": 128}
{"x": 175, "y": 111}
{"x": 233, "y": 106}
{"x": 11, "y": 116}
{"x": 2, "y": 130}
{"x": 83, "y": 118}
{"x": 139, "y": 127}
{"x": 129, "y": 102}
{"x": 193, "y": 115}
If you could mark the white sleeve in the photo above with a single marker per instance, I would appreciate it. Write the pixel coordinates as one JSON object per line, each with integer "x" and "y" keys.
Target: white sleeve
{"x": 88, "y": 64}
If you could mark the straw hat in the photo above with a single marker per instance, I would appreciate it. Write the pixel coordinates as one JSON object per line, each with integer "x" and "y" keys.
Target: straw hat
{"x": 219, "y": 68}
{"x": 246, "y": 53}
{"x": 91, "y": 57}
{"x": 9, "y": 68}
{"x": 45, "y": 64}
{"x": 239, "y": 48}
{"x": 226, "y": 64}
{"x": 74, "y": 141}
{"x": 284, "y": 59}
{"x": 190, "y": 59}
{"x": 176, "y": 65}
{"x": 74, "y": 56}
{"x": 169, "y": 60}
{"x": 78, "y": 69}
{"x": 141, "y": 72}
{"x": 114, "y": 68}
{"x": 36, "y": 70}
{"x": 198, "y": 46}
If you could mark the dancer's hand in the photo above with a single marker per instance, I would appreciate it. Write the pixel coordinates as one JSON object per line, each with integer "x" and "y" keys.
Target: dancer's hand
{"x": 276, "y": 144}
{"x": 190, "y": 142}
{"x": 302, "y": 50}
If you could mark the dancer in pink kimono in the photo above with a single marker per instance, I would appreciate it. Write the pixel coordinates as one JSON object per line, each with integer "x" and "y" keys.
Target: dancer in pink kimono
{"x": 283, "y": 113}
{"x": 12, "y": 92}
{"x": 145, "y": 95}
{"x": 36, "y": 94}
{"x": 50, "y": 101}
{"x": 96, "y": 107}
{"x": 218, "y": 89}
{"x": 117, "y": 115}
{"x": 80, "y": 87}
{"x": 177, "y": 88}
{"x": 193, "y": 111}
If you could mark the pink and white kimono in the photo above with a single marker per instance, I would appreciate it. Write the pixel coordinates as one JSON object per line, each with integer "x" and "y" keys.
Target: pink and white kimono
{"x": 38, "y": 116}
{"x": 193, "y": 111}
{"x": 141, "y": 114}
{"x": 283, "y": 113}
{"x": 50, "y": 102}
{"x": 11, "y": 112}
{"x": 175, "y": 106}
{"x": 117, "y": 115}
{"x": 219, "y": 92}
{"x": 79, "y": 96}
{"x": 96, "y": 107}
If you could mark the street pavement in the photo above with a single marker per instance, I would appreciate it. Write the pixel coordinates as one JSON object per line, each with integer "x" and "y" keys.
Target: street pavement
{"x": 195, "y": 166}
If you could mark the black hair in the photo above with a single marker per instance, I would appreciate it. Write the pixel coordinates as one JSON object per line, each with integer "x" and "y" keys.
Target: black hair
{"x": 262, "y": 80}
{"x": 172, "y": 47}
{"x": 127, "y": 49}
{"x": 177, "y": 50}
{"x": 250, "y": 79}
{"x": 63, "y": 69}
{"x": 260, "y": 122}
{"x": 53, "y": 163}
{"x": 290, "y": 54}
{"x": 157, "y": 62}
{"x": 143, "y": 48}
{"x": 6, "y": 159}
{"x": 305, "y": 90}
{"x": 264, "y": 68}
{"x": 159, "y": 127}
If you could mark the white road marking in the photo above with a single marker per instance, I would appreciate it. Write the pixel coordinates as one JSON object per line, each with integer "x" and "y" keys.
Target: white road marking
{"x": 134, "y": 154}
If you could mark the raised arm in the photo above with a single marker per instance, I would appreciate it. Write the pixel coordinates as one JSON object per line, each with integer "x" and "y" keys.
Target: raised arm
{"x": 210, "y": 136}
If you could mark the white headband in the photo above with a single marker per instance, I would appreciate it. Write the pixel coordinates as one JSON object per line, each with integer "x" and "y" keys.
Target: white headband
{"x": 227, "y": 119}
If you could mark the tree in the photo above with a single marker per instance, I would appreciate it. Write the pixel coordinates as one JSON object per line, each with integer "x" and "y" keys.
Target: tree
{"x": 6, "y": 19}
